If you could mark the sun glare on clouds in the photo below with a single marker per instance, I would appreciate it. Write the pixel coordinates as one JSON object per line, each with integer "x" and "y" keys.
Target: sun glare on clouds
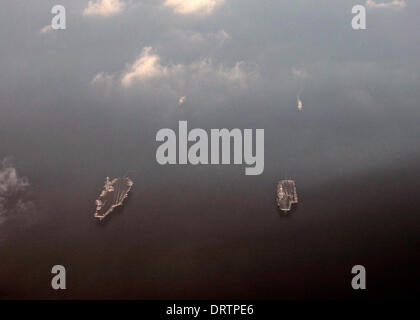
{"x": 103, "y": 8}
{"x": 193, "y": 6}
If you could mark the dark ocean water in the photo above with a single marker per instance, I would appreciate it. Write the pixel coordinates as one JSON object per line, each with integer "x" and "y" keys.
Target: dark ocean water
{"x": 210, "y": 231}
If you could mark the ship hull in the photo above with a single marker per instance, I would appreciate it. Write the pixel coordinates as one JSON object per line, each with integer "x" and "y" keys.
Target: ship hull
{"x": 113, "y": 195}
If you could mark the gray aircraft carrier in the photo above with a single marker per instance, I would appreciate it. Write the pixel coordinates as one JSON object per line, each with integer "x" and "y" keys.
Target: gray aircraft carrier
{"x": 112, "y": 196}
{"x": 286, "y": 194}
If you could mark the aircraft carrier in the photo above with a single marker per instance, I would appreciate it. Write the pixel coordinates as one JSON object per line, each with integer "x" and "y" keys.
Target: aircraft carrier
{"x": 286, "y": 194}
{"x": 112, "y": 196}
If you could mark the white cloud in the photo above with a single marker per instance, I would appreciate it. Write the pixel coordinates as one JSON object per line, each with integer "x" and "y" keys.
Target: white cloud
{"x": 103, "y": 7}
{"x": 193, "y": 6}
{"x": 221, "y": 36}
{"x": 196, "y": 38}
{"x": 149, "y": 76}
{"x": 11, "y": 187}
{"x": 300, "y": 73}
{"x": 102, "y": 77}
{"x": 46, "y": 29}
{"x": 148, "y": 66}
{"x": 145, "y": 67}
{"x": 10, "y": 181}
{"x": 390, "y": 4}
{"x": 240, "y": 73}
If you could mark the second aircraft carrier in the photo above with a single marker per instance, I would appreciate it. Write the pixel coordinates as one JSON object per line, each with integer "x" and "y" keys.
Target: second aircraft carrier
{"x": 286, "y": 194}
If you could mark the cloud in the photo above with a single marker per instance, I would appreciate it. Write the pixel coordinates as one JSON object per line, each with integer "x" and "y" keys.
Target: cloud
{"x": 12, "y": 188}
{"x": 46, "y": 29}
{"x": 150, "y": 76}
{"x": 103, "y": 8}
{"x": 196, "y": 38}
{"x": 147, "y": 66}
{"x": 186, "y": 7}
{"x": 220, "y": 36}
{"x": 102, "y": 77}
{"x": 391, "y": 4}
{"x": 10, "y": 181}
{"x": 299, "y": 73}
{"x": 240, "y": 73}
